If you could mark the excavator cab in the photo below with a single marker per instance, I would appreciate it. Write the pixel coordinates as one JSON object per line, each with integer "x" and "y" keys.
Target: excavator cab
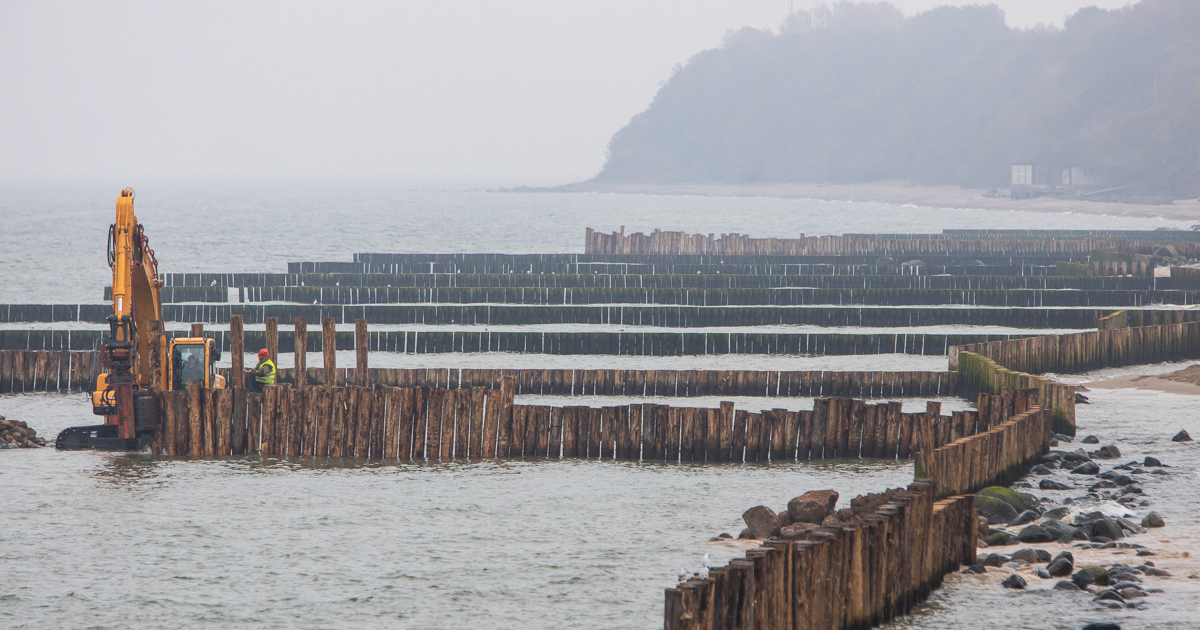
{"x": 193, "y": 359}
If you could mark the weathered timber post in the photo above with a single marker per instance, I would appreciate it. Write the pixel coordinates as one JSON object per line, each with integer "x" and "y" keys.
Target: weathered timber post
{"x": 329, "y": 350}
{"x": 300, "y": 352}
{"x": 237, "y": 351}
{"x": 155, "y": 376}
{"x": 197, "y": 330}
{"x": 360, "y": 352}
{"x": 272, "y": 340}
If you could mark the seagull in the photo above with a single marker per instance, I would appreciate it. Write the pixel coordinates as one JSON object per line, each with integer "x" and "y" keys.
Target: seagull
{"x": 706, "y": 562}
{"x": 683, "y": 575}
{"x": 214, "y": 283}
{"x": 703, "y": 573}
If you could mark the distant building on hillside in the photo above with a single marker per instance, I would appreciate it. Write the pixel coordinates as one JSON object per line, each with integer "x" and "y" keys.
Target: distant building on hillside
{"x": 1036, "y": 180}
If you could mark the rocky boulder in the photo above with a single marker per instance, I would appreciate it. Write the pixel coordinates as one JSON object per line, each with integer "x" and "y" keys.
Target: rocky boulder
{"x": 1090, "y": 575}
{"x": 996, "y": 512}
{"x": 1018, "y": 500}
{"x": 1032, "y": 556}
{"x": 812, "y": 506}
{"x": 1035, "y": 534}
{"x": 1086, "y": 468}
{"x": 761, "y": 521}
{"x": 1153, "y": 520}
{"x": 1182, "y": 436}
{"x": 17, "y": 434}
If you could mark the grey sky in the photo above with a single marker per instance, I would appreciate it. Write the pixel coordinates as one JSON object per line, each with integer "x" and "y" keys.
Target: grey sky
{"x": 424, "y": 93}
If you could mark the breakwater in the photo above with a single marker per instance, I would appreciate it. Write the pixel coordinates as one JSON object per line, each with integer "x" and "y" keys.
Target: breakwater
{"x": 673, "y": 316}
{"x": 949, "y": 242}
{"x": 887, "y": 556}
{"x": 1081, "y": 352}
{"x": 432, "y": 423}
{"x": 29, "y": 371}
{"x": 558, "y": 342}
{"x": 780, "y": 296}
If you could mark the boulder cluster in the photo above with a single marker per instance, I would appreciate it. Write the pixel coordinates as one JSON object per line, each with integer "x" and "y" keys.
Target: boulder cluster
{"x": 1008, "y": 516}
{"x": 17, "y": 434}
{"x": 809, "y": 511}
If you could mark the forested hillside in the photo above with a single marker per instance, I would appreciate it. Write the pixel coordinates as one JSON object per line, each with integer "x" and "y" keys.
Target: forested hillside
{"x": 950, "y": 96}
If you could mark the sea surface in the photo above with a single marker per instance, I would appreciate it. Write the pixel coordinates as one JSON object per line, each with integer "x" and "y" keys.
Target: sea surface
{"x": 102, "y": 540}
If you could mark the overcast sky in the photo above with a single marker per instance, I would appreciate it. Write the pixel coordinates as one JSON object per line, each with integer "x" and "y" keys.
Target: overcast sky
{"x": 422, "y": 93}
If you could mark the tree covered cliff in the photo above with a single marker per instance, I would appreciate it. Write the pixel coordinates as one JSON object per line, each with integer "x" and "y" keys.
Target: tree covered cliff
{"x": 950, "y": 96}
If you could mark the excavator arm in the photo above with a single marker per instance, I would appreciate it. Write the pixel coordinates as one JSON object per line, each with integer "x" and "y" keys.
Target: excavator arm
{"x": 120, "y": 393}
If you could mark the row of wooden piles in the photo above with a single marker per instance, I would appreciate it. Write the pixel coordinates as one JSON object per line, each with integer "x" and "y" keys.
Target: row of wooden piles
{"x": 866, "y": 572}
{"x": 376, "y": 423}
{"x": 47, "y": 370}
{"x": 853, "y": 576}
{"x": 1081, "y": 352}
{"x": 979, "y": 374}
{"x": 667, "y": 383}
{"x": 431, "y": 423}
{"x": 665, "y": 242}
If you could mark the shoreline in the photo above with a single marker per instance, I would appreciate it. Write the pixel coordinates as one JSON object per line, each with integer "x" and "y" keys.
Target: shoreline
{"x": 896, "y": 193}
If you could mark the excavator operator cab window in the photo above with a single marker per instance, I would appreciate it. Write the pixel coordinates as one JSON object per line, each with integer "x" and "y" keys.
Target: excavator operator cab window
{"x": 189, "y": 365}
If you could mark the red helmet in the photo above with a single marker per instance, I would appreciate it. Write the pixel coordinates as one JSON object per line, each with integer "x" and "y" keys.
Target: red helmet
{"x": 262, "y": 354}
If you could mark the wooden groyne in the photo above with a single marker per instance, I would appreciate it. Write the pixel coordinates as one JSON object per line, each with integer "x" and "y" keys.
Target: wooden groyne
{"x": 557, "y": 342}
{"x": 1081, "y": 352}
{"x": 63, "y": 371}
{"x": 795, "y": 296}
{"x": 1062, "y": 242}
{"x": 430, "y": 423}
{"x": 47, "y": 371}
{"x": 622, "y": 315}
{"x": 979, "y": 375}
{"x": 259, "y": 287}
{"x": 852, "y": 576}
{"x": 895, "y": 549}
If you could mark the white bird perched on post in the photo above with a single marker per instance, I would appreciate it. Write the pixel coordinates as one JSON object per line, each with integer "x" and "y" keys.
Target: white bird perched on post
{"x": 683, "y": 575}
{"x": 703, "y": 573}
{"x": 705, "y": 565}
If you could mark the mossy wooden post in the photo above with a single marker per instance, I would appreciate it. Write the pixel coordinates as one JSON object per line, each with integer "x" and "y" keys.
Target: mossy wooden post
{"x": 360, "y": 352}
{"x": 329, "y": 352}
{"x": 300, "y": 352}
{"x": 237, "y": 352}
{"x": 272, "y": 339}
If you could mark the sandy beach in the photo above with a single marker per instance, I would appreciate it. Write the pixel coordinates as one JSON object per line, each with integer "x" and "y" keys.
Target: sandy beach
{"x": 902, "y": 193}
{"x": 1185, "y": 381}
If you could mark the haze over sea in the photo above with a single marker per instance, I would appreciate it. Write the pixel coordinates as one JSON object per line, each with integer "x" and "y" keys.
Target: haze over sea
{"x": 109, "y": 540}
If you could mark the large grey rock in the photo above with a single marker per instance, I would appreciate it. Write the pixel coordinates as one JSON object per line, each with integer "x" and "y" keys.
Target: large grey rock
{"x": 812, "y": 506}
{"x": 1061, "y": 531}
{"x": 1026, "y": 517}
{"x": 1020, "y": 501}
{"x": 796, "y": 531}
{"x": 1151, "y": 461}
{"x": 761, "y": 521}
{"x": 1108, "y": 452}
{"x": 1035, "y": 534}
{"x": 1182, "y": 436}
{"x": 996, "y": 512}
{"x": 1153, "y": 520}
{"x": 1050, "y": 484}
{"x": 1086, "y": 468}
{"x": 1107, "y": 528}
{"x": 1060, "y": 567}
{"x": 1013, "y": 581}
{"x": 1064, "y": 585}
{"x": 1032, "y": 556}
{"x": 1090, "y": 575}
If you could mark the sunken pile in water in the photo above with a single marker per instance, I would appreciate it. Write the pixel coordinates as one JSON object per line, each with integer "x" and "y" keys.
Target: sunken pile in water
{"x": 17, "y": 434}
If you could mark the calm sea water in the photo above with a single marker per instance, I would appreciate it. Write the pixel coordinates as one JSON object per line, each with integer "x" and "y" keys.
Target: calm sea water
{"x": 115, "y": 541}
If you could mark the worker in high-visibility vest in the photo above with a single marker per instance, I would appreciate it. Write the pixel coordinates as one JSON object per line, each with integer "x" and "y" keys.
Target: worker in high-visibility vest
{"x": 263, "y": 374}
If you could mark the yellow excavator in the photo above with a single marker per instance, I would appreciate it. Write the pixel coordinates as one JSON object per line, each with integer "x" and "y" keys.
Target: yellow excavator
{"x": 123, "y": 392}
